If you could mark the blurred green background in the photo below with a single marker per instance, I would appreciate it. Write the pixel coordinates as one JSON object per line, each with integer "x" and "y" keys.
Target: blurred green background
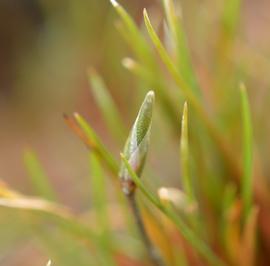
{"x": 46, "y": 48}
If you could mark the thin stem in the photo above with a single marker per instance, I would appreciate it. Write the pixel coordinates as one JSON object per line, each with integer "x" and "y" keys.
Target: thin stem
{"x": 151, "y": 250}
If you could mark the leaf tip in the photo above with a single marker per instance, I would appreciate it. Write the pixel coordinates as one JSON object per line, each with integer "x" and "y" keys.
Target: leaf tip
{"x": 76, "y": 115}
{"x": 242, "y": 87}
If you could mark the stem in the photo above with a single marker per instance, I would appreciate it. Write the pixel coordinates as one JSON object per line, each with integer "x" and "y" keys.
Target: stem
{"x": 151, "y": 250}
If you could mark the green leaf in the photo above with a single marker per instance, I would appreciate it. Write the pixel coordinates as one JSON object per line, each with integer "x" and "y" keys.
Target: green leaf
{"x": 247, "y": 152}
{"x": 37, "y": 176}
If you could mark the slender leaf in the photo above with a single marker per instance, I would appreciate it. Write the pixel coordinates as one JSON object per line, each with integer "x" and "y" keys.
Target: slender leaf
{"x": 188, "y": 234}
{"x": 247, "y": 153}
{"x": 96, "y": 144}
{"x": 100, "y": 202}
{"x": 107, "y": 105}
{"x": 37, "y": 176}
{"x": 174, "y": 19}
{"x": 184, "y": 155}
{"x": 192, "y": 99}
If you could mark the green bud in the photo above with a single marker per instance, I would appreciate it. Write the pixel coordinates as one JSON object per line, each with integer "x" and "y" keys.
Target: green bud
{"x": 136, "y": 146}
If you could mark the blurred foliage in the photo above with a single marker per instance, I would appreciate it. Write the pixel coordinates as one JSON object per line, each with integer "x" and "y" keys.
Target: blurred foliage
{"x": 205, "y": 203}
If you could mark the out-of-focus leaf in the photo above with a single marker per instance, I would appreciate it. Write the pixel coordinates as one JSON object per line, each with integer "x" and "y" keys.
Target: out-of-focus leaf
{"x": 232, "y": 231}
{"x": 248, "y": 246}
{"x": 187, "y": 233}
{"x": 37, "y": 176}
{"x": 231, "y": 16}
{"x": 193, "y": 100}
{"x": 148, "y": 70}
{"x": 247, "y": 184}
{"x": 158, "y": 235}
{"x": 107, "y": 105}
{"x": 175, "y": 23}
{"x": 184, "y": 156}
{"x": 100, "y": 205}
{"x": 179, "y": 199}
{"x": 57, "y": 213}
{"x": 92, "y": 141}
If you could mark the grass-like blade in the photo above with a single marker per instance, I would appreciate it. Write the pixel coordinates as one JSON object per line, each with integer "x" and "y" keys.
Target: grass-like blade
{"x": 184, "y": 155}
{"x": 247, "y": 152}
{"x": 107, "y": 105}
{"x": 146, "y": 68}
{"x": 37, "y": 175}
{"x": 175, "y": 23}
{"x": 99, "y": 199}
{"x": 192, "y": 99}
{"x": 153, "y": 81}
{"x": 187, "y": 233}
{"x": 92, "y": 141}
{"x": 169, "y": 63}
{"x": 133, "y": 35}
{"x": 231, "y": 15}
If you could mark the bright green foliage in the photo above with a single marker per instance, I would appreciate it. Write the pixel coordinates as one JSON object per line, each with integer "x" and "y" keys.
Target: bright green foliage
{"x": 221, "y": 229}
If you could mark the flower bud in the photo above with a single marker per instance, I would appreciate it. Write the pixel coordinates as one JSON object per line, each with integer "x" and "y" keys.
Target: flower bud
{"x": 136, "y": 146}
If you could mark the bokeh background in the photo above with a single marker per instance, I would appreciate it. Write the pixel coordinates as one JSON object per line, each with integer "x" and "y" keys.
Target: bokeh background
{"x": 46, "y": 48}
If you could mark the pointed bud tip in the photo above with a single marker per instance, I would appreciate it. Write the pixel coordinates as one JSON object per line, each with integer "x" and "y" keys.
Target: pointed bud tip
{"x": 128, "y": 63}
{"x": 163, "y": 193}
{"x": 150, "y": 95}
{"x": 145, "y": 12}
{"x": 242, "y": 86}
{"x": 76, "y": 115}
{"x": 114, "y": 3}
